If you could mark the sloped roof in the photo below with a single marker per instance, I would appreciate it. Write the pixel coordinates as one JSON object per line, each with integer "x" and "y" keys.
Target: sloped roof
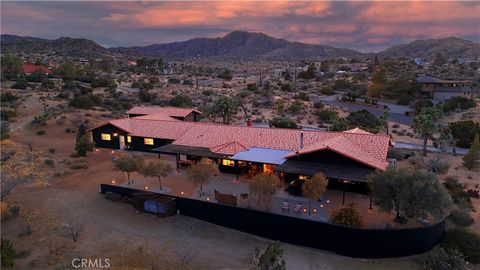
{"x": 31, "y": 68}
{"x": 170, "y": 111}
{"x": 370, "y": 149}
{"x": 357, "y": 130}
{"x": 157, "y": 116}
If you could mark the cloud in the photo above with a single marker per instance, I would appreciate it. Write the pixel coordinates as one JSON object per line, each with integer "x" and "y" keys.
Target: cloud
{"x": 363, "y": 25}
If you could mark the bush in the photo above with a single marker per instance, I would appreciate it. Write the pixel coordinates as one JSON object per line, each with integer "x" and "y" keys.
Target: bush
{"x": 468, "y": 243}
{"x": 457, "y": 192}
{"x": 7, "y": 115}
{"x": 7, "y": 254}
{"x": 441, "y": 259}
{"x": 50, "y": 163}
{"x": 286, "y": 87}
{"x": 40, "y": 132}
{"x": 318, "y": 105}
{"x": 326, "y": 115}
{"x": 20, "y": 85}
{"x": 396, "y": 153}
{"x": 461, "y": 103}
{"x": 438, "y": 166}
{"x": 327, "y": 91}
{"x": 85, "y": 102}
{"x": 283, "y": 122}
{"x": 181, "y": 101}
{"x": 460, "y": 218}
{"x": 347, "y": 216}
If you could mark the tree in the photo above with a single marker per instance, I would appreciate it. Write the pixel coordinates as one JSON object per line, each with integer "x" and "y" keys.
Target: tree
{"x": 8, "y": 254}
{"x": 80, "y": 132}
{"x": 226, "y": 75}
{"x": 283, "y": 122}
{"x": 445, "y": 139}
{"x": 347, "y": 216}
{"x": 263, "y": 186}
{"x": 181, "y": 101}
{"x": 379, "y": 83}
{"x": 314, "y": 188}
{"x": 11, "y": 65}
{"x": 471, "y": 160}
{"x": 83, "y": 145}
{"x": 269, "y": 259}
{"x": 202, "y": 172}
{"x": 464, "y": 132}
{"x": 157, "y": 169}
{"x": 365, "y": 120}
{"x": 68, "y": 71}
{"x": 467, "y": 242}
{"x": 425, "y": 124}
{"x": 226, "y": 107}
{"x": 410, "y": 193}
{"x": 339, "y": 124}
{"x": 128, "y": 164}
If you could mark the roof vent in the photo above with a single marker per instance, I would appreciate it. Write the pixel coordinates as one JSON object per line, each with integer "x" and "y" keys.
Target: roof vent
{"x": 301, "y": 140}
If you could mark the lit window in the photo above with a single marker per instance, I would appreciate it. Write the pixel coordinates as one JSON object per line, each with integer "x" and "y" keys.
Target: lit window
{"x": 148, "y": 141}
{"x": 129, "y": 139}
{"x": 106, "y": 137}
{"x": 303, "y": 177}
{"x": 241, "y": 163}
{"x": 228, "y": 162}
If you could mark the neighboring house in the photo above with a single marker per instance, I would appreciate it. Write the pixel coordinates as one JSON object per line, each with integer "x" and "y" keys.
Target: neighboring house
{"x": 184, "y": 114}
{"x": 31, "y": 68}
{"x": 440, "y": 90}
{"x": 346, "y": 158}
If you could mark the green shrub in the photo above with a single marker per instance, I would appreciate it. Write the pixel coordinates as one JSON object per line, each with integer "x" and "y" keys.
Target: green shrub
{"x": 468, "y": 243}
{"x": 85, "y": 102}
{"x": 283, "y": 122}
{"x": 7, "y": 115}
{"x": 20, "y": 85}
{"x": 326, "y": 115}
{"x": 461, "y": 103}
{"x": 457, "y": 192}
{"x": 40, "y": 132}
{"x": 460, "y": 217}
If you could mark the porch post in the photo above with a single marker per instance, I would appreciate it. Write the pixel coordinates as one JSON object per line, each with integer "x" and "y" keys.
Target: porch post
{"x": 343, "y": 191}
{"x": 177, "y": 159}
{"x": 237, "y": 169}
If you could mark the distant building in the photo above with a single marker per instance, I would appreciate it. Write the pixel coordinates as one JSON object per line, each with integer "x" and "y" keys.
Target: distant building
{"x": 31, "y": 68}
{"x": 440, "y": 90}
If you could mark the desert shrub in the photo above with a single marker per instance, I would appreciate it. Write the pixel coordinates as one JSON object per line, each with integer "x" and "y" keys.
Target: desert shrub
{"x": 270, "y": 258}
{"x": 460, "y": 217}
{"x": 457, "y": 191}
{"x": 181, "y": 101}
{"x": 417, "y": 162}
{"x": 7, "y": 254}
{"x": 318, "y": 105}
{"x": 347, "y": 216}
{"x": 7, "y": 115}
{"x": 442, "y": 259}
{"x": 21, "y": 84}
{"x": 40, "y": 119}
{"x": 461, "y": 103}
{"x": 40, "y": 132}
{"x": 438, "y": 166}
{"x": 326, "y": 115}
{"x": 85, "y": 102}
{"x": 327, "y": 91}
{"x": 79, "y": 165}
{"x": 396, "y": 153}
{"x": 395, "y": 126}
{"x": 49, "y": 162}
{"x": 302, "y": 96}
{"x": 286, "y": 87}
{"x": 283, "y": 122}
{"x": 468, "y": 243}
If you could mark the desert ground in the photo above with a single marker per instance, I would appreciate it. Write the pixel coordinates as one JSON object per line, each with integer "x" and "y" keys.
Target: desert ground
{"x": 53, "y": 198}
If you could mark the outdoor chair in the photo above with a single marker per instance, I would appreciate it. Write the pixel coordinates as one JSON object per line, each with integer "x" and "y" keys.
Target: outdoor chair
{"x": 286, "y": 206}
{"x": 298, "y": 208}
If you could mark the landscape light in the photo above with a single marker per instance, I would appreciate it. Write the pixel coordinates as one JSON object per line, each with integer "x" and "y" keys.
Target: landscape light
{"x": 328, "y": 201}
{"x": 113, "y": 151}
{"x": 181, "y": 192}
{"x": 146, "y": 187}
{"x": 96, "y": 150}
{"x": 208, "y": 199}
{"x": 321, "y": 205}
{"x": 305, "y": 209}
{"x": 113, "y": 182}
{"x": 315, "y": 210}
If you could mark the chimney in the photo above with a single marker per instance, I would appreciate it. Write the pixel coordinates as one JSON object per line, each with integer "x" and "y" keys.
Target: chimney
{"x": 301, "y": 140}
{"x": 249, "y": 122}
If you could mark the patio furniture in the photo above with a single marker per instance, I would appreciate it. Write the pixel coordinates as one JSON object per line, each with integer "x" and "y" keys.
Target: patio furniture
{"x": 286, "y": 206}
{"x": 298, "y": 208}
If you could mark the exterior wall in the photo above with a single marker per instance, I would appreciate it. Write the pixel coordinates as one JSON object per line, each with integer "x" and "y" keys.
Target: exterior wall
{"x": 442, "y": 96}
{"x": 138, "y": 144}
{"x": 331, "y": 157}
{"x": 108, "y": 129}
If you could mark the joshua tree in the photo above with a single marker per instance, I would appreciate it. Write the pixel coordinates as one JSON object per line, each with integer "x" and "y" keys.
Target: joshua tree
{"x": 425, "y": 124}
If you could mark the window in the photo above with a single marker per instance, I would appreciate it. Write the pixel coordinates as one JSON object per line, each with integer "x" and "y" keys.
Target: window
{"x": 106, "y": 137}
{"x": 148, "y": 141}
{"x": 129, "y": 139}
{"x": 228, "y": 162}
{"x": 303, "y": 177}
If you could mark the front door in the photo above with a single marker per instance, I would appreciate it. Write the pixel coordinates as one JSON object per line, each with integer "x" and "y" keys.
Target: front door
{"x": 122, "y": 142}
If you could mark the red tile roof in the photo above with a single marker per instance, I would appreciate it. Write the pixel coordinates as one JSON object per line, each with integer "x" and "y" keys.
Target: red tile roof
{"x": 30, "y": 68}
{"x": 367, "y": 148}
{"x": 170, "y": 111}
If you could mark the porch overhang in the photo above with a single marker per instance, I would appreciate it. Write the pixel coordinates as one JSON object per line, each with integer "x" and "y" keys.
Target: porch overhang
{"x": 337, "y": 171}
{"x": 176, "y": 149}
{"x": 262, "y": 155}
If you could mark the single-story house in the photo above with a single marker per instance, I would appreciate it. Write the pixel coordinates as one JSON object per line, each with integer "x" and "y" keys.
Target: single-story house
{"x": 344, "y": 157}
{"x": 184, "y": 114}
{"x": 440, "y": 89}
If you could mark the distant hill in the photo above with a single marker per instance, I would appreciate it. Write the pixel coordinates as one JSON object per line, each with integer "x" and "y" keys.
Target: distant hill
{"x": 64, "y": 46}
{"x": 450, "y": 47}
{"x": 239, "y": 44}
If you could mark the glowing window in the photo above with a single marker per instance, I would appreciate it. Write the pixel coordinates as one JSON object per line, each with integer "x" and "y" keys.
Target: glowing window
{"x": 106, "y": 137}
{"x": 148, "y": 141}
{"x": 129, "y": 139}
{"x": 303, "y": 177}
{"x": 228, "y": 162}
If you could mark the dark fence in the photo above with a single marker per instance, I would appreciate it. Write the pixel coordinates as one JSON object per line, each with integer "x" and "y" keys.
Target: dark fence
{"x": 354, "y": 242}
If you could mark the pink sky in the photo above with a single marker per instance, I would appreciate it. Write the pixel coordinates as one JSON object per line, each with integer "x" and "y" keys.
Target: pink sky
{"x": 362, "y": 25}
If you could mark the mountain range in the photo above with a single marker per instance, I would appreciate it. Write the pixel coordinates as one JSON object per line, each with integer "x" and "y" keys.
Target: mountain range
{"x": 239, "y": 44}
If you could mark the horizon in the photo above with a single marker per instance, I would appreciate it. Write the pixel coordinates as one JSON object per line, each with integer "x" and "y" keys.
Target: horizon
{"x": 366, "y": 52}
{"x": 362, "y": 26}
